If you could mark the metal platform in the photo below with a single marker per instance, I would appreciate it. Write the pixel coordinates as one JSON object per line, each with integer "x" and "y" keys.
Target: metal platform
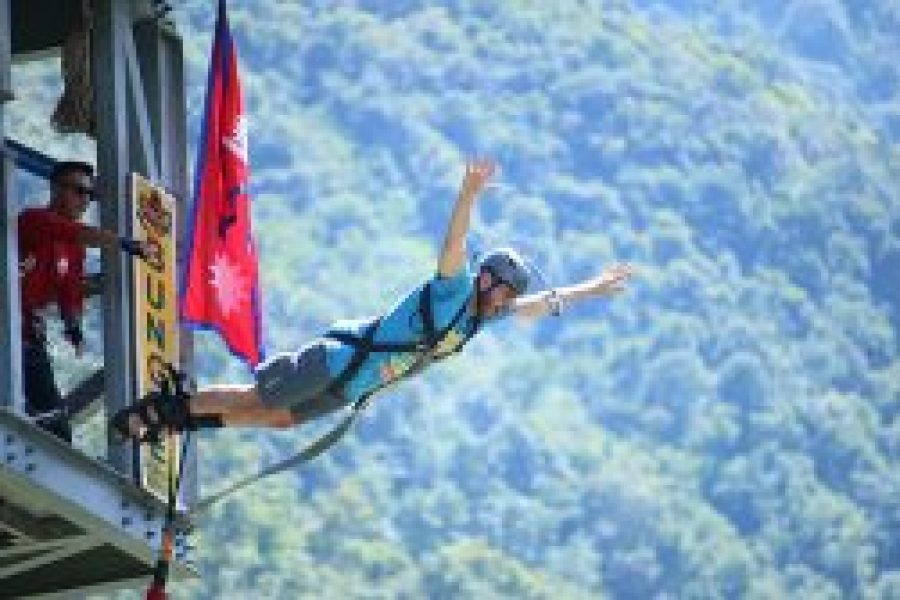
{"x": 68, "y": 522}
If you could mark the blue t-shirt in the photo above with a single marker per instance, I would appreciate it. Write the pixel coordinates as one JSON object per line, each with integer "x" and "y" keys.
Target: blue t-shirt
{"x": 403, "y": 323}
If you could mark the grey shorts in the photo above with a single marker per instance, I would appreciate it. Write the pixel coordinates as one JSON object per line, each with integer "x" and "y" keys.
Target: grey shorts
{"x": 299, "y": 381}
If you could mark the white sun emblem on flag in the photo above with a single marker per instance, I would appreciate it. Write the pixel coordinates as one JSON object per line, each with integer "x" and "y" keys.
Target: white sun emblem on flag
{"x": 236, "y": 141}
{"x": 230, "y": 285}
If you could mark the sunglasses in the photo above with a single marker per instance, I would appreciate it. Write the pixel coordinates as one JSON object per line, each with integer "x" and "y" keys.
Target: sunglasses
{"x": 82, "y": 190}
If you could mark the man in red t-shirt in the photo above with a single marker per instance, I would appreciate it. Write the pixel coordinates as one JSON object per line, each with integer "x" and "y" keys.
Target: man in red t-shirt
{"x": 52, "y": 242}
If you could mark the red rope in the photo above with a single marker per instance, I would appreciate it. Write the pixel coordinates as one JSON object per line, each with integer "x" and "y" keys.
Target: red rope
{"x": 157, "y": 589}
{"x": 157, "y": 592}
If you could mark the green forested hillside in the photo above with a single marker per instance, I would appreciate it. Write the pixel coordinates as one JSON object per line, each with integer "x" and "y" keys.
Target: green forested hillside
{"x": 728, "y": 428}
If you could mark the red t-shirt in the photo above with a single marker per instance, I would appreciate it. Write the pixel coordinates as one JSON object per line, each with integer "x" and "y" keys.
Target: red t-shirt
{"x": 51, "y": 264}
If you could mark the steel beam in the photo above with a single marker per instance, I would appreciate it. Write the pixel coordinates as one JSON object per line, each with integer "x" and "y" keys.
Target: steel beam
{"x": 29, "y": 547}
{"x": 10, "y": 313}
{"x": 62, "y": 505}
{"x": 144, "y": 150}
{"x": 111, "y": 22}
{"x": 175, "y": 159}
{"x": 72, "y": 546}
{"x": 160, "y": 52}
{"x": 5, "y": 52}
{"x": 45, "y": 475}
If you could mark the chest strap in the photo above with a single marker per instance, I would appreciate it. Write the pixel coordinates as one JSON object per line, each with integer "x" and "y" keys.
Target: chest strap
{"x": 365, "y": 344}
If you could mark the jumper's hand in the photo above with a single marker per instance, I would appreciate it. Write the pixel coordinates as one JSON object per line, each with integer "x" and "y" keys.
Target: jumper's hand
{"x": 477, "y": 174}
{"x": 612, "y": 280}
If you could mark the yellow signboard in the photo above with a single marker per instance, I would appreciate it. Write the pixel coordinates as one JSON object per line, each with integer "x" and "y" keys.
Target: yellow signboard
{"x": 155, "y": 317}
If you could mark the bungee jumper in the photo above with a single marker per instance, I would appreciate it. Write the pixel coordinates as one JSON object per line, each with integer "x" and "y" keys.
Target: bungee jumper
{"x": 355, "y": 359}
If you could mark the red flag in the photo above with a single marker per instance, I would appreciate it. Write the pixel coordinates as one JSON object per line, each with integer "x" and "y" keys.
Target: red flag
{"x": 220, "y": 285}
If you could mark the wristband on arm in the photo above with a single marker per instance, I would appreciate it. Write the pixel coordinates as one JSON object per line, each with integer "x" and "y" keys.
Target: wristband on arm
{"x": 554, "y": 303}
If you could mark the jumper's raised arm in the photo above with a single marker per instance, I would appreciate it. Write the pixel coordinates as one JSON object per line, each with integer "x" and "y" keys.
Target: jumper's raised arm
{"x": 453, "y": 253}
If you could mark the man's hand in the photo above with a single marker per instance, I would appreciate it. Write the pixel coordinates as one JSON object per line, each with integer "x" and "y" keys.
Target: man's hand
{"x": 92, "y": 284}
{"x": 73, "y": 333}
{"x": 138, "y": 248}
{"x": 611, "y": 281}
{"x": 478, "y": 172}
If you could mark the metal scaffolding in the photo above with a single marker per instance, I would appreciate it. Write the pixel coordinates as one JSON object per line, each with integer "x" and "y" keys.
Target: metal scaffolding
{"x": 67, "y": 521}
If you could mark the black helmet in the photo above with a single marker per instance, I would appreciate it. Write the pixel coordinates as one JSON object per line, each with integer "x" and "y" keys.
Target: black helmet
{"x": 508, "y": 266}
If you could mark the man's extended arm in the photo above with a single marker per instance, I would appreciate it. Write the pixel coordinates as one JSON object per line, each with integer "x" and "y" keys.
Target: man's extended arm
{"x": 453, "y": 254}
{"x": 38, "y": 226}
{"x": 552, "y": 301}
{"x": 101, "y": 238}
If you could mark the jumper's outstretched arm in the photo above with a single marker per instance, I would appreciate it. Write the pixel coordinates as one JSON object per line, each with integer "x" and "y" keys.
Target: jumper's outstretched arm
{"x": 551, "y": 302}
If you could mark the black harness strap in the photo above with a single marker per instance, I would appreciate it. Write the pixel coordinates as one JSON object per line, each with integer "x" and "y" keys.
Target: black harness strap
{"x": 359, "y": 356}
{"x": 425, "y": 309}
